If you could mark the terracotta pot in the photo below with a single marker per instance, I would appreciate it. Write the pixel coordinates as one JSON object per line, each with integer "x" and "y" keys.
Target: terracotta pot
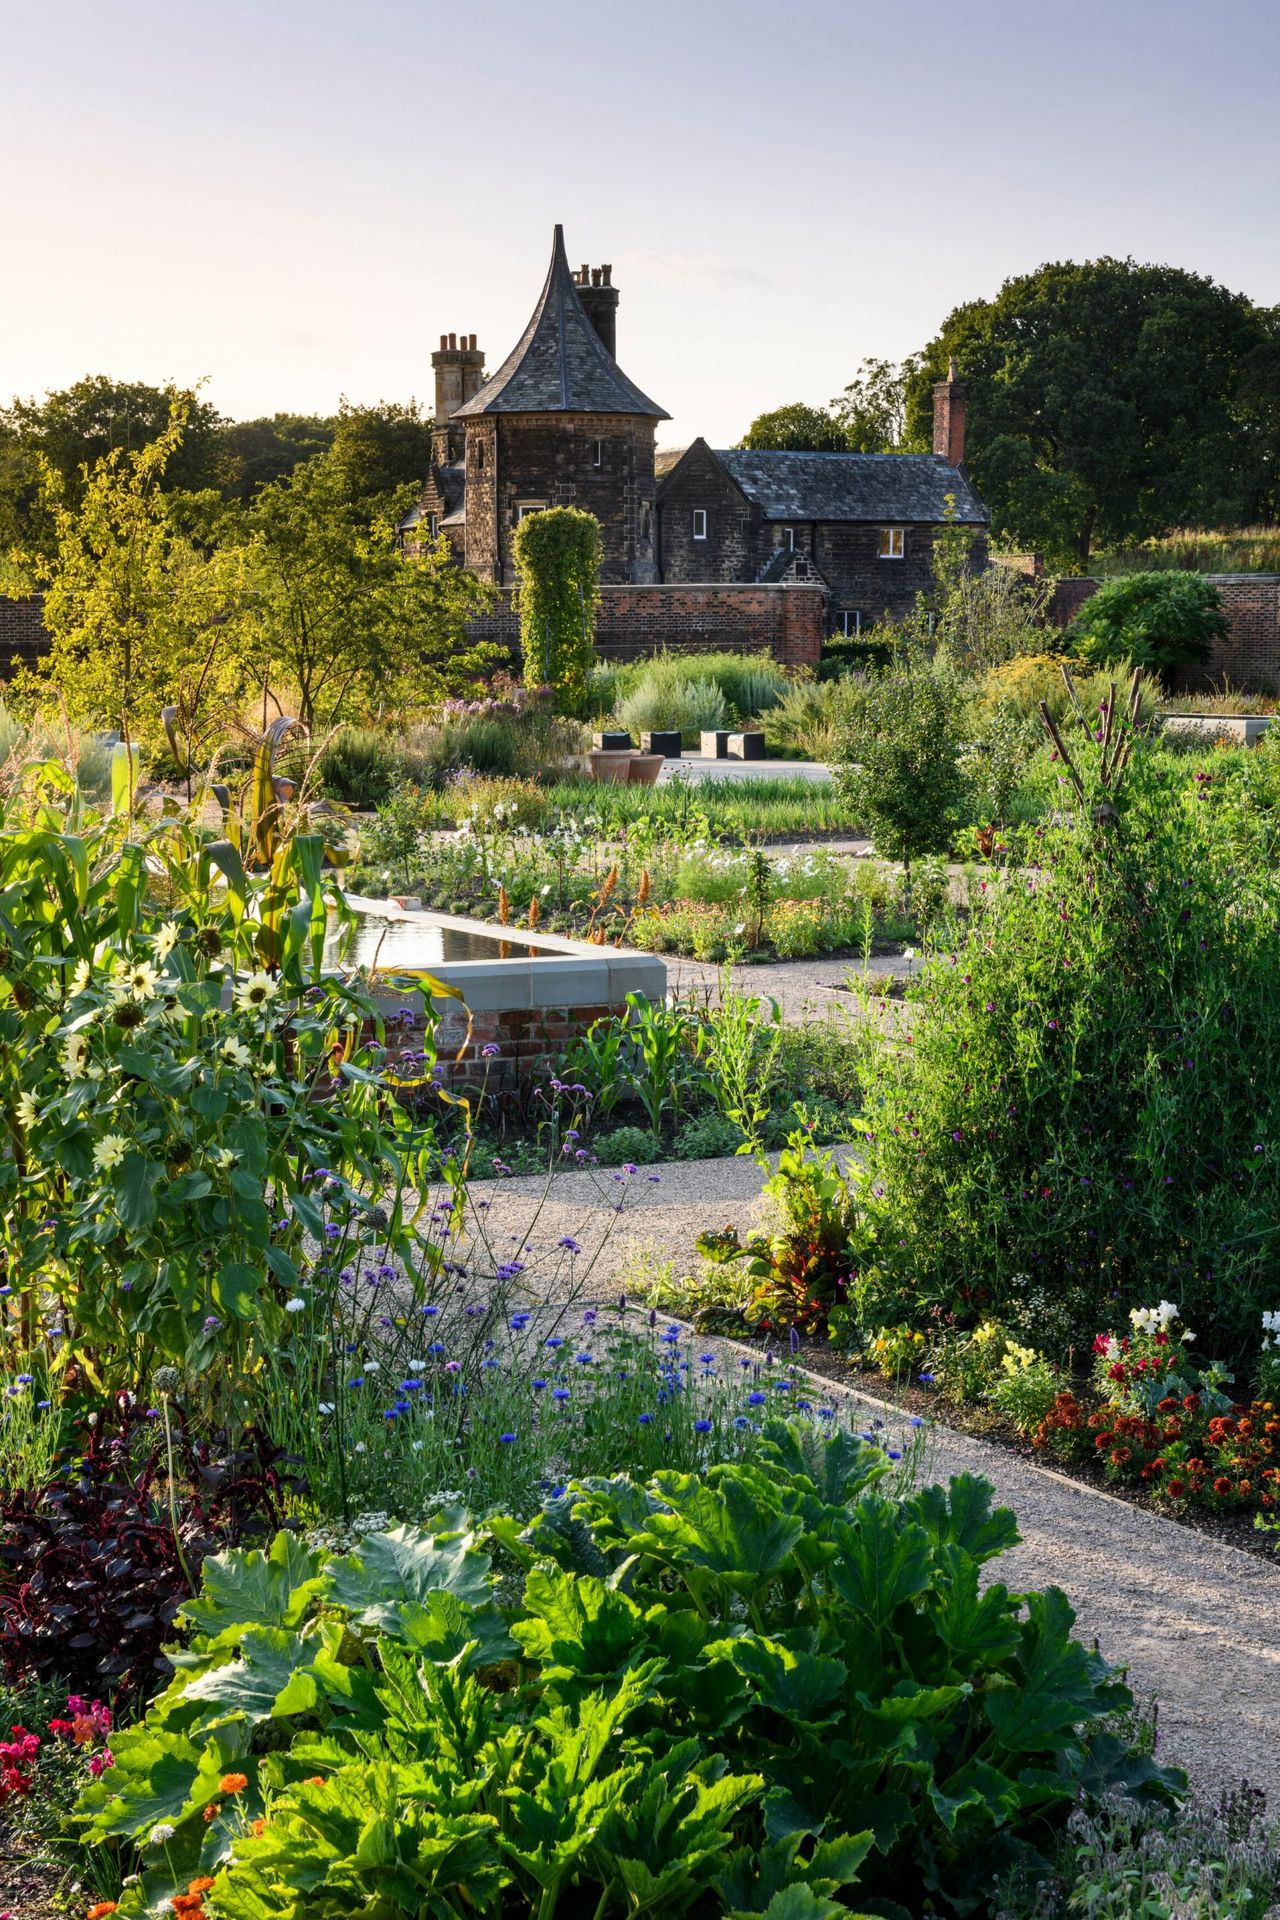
{"x": 645, "y": 768}
{"x": 609, "y": 766}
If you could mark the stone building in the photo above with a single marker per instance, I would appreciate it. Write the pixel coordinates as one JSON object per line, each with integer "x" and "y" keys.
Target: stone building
{"x": 861, "y": 523}
{"x": 559, "y": 424}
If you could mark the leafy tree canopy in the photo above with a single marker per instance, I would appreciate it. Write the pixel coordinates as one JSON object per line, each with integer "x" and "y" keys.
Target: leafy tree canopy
{"x": 378, "y": 449}
{"x": 1109, "y": 401}
{"x": 872, "y": 410}
{"x": 252, "y": 453}
{"x": 339, "y": 613}
{"x": 796, "y": 429}
{"x": 74, "y": 428}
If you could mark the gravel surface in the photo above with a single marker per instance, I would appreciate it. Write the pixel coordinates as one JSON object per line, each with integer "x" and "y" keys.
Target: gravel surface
{"x": 1196, "y": 1621}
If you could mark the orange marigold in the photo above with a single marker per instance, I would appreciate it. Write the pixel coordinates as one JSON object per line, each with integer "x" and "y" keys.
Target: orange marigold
{"x": 233, "y": 1782}
{"x": 258, "y": 1827}
{"x": 200, "y": 1885}
{"x": 211, "y": 1812}
{"x": 100, "y": 1912}
{"x": 1177, "y": 1488}
{"x": 1222, "y": 1484}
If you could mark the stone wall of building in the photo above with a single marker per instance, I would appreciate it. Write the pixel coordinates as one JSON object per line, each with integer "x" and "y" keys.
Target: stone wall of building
{"x": 550, "y": 459}
{"x": 732, "y": 538}
{"x": 788, "y": 621}
{"x": 1248, "y": 658}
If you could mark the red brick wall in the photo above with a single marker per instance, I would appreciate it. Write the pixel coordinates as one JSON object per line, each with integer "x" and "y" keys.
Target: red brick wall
{"x": 787, "y": 622}
{"x": 22, "y": 634}
{"x": 526, "y": 1040}
{"x": 1249, "y": 657}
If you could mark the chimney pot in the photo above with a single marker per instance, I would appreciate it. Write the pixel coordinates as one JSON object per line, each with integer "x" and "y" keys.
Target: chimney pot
{"x": 471, "y": 342}
{"x": 606, "y": 276}
{"x": 453, "y": 341}
{"x": 444, "y": 341}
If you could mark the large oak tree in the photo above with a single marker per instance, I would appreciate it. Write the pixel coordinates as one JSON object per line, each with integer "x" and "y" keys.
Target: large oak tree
{"x": 1110, "y": 401}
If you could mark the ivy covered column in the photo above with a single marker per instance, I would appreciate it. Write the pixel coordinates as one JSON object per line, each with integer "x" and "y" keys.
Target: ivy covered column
{"x": 558, "y": 565}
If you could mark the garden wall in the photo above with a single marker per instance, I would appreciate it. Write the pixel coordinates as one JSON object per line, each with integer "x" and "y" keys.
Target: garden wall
{"x": 22, "y": 634}
{"x": 1249, "y": 657}
{"x": 787, "y": 621}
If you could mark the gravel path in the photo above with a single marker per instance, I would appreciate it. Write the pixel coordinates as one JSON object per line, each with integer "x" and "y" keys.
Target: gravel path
{"x": 1196, "y": 1622}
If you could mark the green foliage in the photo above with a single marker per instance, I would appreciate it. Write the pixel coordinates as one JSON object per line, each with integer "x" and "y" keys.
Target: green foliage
{"x": 627, "y": 1146}
{"x": 1220, "y": 550}
{"x": 1154, "y": 620}
{"x": 698, "y": 1650}
{"x": 557, "y": 555}
{"x": 70, "y": 433}
{"x": 900, "y": 767}
{"x": 673, "y": 703}
{"x": 873, "y": 410}
{"x": 1108, "y": 401}
{"x": 339, "y": 611}
{"x": 813, "y": 716}
{"x": 254, "y": 453}
{"x": 1086, "y": 1101}
{"x": 796, "y": 428}
{"x": 361, "y": 766}
{"x": 381, "y": 450}
{"x": 137, "y": 611}
{"x": 167, "y": 1023}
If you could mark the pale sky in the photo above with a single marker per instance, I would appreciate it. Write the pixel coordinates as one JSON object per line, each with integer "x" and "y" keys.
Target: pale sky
{"x": 293, "y": 198}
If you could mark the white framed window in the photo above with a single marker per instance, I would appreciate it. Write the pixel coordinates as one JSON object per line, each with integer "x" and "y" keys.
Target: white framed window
{"x": 529, "y": 506}
{"x": 699, "y": 523}
{"x": 597, "y": 453}
{"x": 787, "y": 538}
{"x": 855, "y": 617}
{"x": 433, "y": 524}
{"x": 893, "y": 543}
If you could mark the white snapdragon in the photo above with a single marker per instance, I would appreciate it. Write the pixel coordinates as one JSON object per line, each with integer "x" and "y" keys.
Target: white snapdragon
{"x": 1153, "y": 1319}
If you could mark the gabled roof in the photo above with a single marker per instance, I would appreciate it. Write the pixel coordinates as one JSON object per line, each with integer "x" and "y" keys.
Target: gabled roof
{"x": 853, "y": 486}
{"x": 785, "y": 563}
{"x": 559, "y": 364}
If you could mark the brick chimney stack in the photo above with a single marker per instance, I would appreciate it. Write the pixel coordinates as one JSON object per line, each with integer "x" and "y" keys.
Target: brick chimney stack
{"x": 600, "y": 298}
{"x": 948, "y": 417}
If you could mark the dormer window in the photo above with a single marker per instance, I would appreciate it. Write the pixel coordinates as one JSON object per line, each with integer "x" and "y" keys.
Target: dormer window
{"x": 699, "y": 523}
{"x": 787, "y": 538}
{"x": 893, "y": 543}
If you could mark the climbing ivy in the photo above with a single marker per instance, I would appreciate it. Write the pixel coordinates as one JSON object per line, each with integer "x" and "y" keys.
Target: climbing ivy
{"x": 558, "y": 562}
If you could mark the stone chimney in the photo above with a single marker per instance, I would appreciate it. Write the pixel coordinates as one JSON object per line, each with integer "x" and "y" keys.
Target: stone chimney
{"x": 459, "y": 369}
{"x": 600, "y": 298}
{"x": 948, "y": 417}
{"x": 458, "y": 364}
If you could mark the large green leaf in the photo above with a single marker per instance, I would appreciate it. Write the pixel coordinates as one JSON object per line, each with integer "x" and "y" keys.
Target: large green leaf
{"x": 577, "y": 1624}
{"x": 977, "y": 1629}
{"x": 269, "y": 1679}
{"x": 406, "y": 1564}
{"x": 246, "y": 1587}
{"x": 962, "y": 1514}
{"x": 799, "y": 1686}
{"x": 838, "y": 1465}
{"x": 1057, "y": 1686}
{"x": 735, "y": 1530}
{"x": 883, "y": 1561}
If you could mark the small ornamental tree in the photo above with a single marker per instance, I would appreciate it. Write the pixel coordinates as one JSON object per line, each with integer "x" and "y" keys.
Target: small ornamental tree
{"x": 900, "y": 765}
{"x": 1156, "y": 620}
{"x": 558, "y": 561}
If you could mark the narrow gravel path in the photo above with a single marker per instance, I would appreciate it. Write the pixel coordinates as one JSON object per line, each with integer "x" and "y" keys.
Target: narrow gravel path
{"x": 1197, "y": 1623}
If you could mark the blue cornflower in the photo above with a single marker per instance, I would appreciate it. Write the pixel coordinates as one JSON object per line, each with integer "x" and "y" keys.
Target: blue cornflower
{"x": 702, "y": 1426}
{"x": 916, "y": 1420}
{"x": 707, "y": 1359}
{"x": 554, "y": 1340}
{"x": 506, "y": 1438}
{"x": 437, "y": 1346}
{"x": 741, "y": 1422}
{"x": 519, "y": 1321}
{"x": 755, "y": 1399}
{"x": 411, "y": 1386}
{"x": 357, "y": 1382}
{"x": 645, "y": 1419}
{"x": 428, "y": 1311}
{"x": 584, "y": 1359}
{"x": 893, "y": 1453}
{"x": 559, "y": 1393}
{"x": 537, "y": 1385}
{"x": 925, "y": 1379}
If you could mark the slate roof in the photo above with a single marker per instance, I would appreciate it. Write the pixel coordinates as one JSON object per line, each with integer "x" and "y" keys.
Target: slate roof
{"x": 559, "y": 364}
{"x": 853, "y": 486}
